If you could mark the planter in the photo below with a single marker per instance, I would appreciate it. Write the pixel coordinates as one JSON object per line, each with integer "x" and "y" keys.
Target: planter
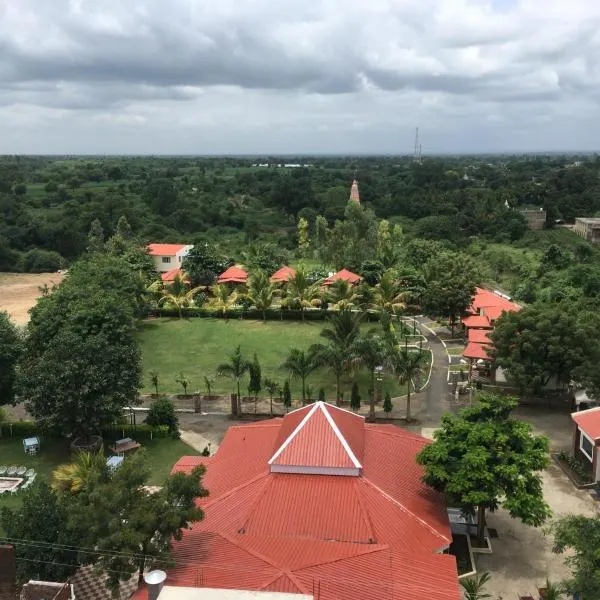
{"x": 91, "y": 444}
{"x": 574, "y": 477}
{"x": 460, "y": 548}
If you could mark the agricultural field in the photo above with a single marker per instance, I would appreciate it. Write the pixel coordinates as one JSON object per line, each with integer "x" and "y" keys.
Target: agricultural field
{"x": 197, "y": 347}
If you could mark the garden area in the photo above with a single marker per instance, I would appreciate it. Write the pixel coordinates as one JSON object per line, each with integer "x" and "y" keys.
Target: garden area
{"x": 161, "y": 454}
{"x": 196, "y": 347}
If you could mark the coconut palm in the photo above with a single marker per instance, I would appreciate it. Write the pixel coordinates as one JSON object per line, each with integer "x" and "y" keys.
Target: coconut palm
{"x": 407, "y": 365}
{"x": 342, "y": 295}
{"x": 237, "y": 367}
{"x": 344, "y": 328}
{"x": 389, "y": 297}
{"x": 370, "y": 351}
{"x": 332, "y": 358}
{"x": 73, "y": 477}
{"x": 177, "y": 295}
{"x": 474, "y": 586}
{"x": 261, "y": 291}
{"x": 223, "y": 298}
{"x": 272, "y": 387}
{"x": 301, "y": 291}
{"x": 300, "y": 365}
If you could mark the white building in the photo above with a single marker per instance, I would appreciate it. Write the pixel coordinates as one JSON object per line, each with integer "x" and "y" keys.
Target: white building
{"x": 168, "y": 256}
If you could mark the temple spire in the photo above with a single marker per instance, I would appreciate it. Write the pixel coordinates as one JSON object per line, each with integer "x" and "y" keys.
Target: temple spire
{"x": 354, "y": 192}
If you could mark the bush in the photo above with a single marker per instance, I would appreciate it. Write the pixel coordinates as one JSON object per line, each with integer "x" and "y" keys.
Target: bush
{"x": 576, "y": 466}
{"x": 19, "y": 428}
{"x": 162, "y": 412}
{"x": 137, "y": 432}
{"x": 42, "y": 261}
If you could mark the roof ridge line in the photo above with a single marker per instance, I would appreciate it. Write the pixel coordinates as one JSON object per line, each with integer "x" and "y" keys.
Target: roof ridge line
{"x": 406, "y": 510}
{"x": 368, "y": 549}
{"x": 241, "y": 486}
{"x": 397, "y": 431}
{"x": 365, "y": 513}
{"x": 344, "y": 410}
{"x": 339, "y": 435}
{"x": 294, "y": 433}
{"x": 256, "y": 501}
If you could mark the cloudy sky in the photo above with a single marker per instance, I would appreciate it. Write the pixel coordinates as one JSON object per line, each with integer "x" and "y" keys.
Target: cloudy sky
{"x": 287, "y": 76}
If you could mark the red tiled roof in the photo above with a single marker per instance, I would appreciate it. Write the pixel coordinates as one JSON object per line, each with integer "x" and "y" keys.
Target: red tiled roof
{"x": 479, "y": 336}
{"x": 365, "y": 537}
{"x": 344, "y": 274}
{"x": 282, "y": 275}
{"x": 170, "y": 275}
{"x": 165, "y": 249}
{"x": 589, "y": 422}
{"x": 354, "y": 196}
{"x": 233, "y": 275}
{"x": 494, "y": 312}
{"x": 478, "y": 351}
{"x": 492, "y": 305}
{"x": 477, "y": 321}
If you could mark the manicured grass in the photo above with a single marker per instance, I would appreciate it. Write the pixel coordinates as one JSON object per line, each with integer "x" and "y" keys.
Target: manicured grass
{"x": 197, "y": 347}
{"x": 162, "y": 454}
{"x": 455, "y": 351}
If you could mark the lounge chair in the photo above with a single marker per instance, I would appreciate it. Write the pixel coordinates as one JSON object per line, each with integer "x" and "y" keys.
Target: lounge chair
{"x": 21, "y": 471}
{"x": 29, "y": 473}
{"x": 3, "y": 469}
{"x": 11, "y": 470}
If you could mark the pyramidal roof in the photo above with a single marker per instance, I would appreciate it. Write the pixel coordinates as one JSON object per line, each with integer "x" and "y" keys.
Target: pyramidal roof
{"x": 354, "y": 192}
{"x": 320, "y": 439}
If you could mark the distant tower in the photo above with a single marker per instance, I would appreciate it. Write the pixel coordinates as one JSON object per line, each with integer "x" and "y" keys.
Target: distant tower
{"x": 417, "y": 157}
{"x": 354, "y": 192}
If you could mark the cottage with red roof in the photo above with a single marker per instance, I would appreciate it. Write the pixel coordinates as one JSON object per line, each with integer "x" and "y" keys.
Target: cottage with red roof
{"x": 233, "y": 275}
{"x": 283, "y": 275}
{"x": 318, "y": 503}
{"x": 344, "y": 275}
{"x": 168, "y": 257}
{"x": 586, "y": 439}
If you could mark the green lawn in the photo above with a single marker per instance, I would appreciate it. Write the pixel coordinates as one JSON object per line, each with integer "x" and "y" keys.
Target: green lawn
{"x": 197, "y": 346}
{"x": 162, "y": 454}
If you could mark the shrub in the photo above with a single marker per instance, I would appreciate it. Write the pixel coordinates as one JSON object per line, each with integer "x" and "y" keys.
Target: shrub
{"x": 576, "y": 466}
{"x": 162, "y": 412}
{"x": 42, "y": 261}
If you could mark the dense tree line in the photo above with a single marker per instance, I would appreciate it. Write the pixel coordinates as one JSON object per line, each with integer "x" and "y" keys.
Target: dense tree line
{"x": 47, "y": 204}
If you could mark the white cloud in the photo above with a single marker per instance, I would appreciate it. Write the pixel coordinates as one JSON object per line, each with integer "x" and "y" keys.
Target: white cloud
{"x": 295, "y": 76}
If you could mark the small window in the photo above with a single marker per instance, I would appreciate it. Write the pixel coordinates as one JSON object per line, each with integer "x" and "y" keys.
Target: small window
{"x": 166, "y": 259}
{"x": 586, "y": 446}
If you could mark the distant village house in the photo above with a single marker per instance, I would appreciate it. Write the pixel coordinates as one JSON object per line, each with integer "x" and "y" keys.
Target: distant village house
{"x": 168, "y": 257}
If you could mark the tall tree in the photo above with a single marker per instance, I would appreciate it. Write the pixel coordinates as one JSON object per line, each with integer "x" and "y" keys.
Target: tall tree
{"x": 482, "y": 459}
{"x": 541, "y": 342}
{"x": 389, "y": 296}
{"x": 271, "y": 386}
{"x": 162, "y": 412}
{"x": 84, "y": 331}
{"x": 96, "y": 237}
{"x": 11, "y": 347}
{"x": 333, "y": 358}
{"x": 286, "y": 394}
{"x": 407, "y": 366}
{"x": 300, "y": 365}
{"x": 261, "y": 291}
{"x": 203, "y": 263}
{"x": 580, "y": 536}
{"x": 45, "y": 552}
{"x": 450, "y": 284}
{"x": 255, "y": 381}
{"x": 303, "y": 240}
{"x": 370, "y": 351}
{"x": 355, "y": 397}
{"x": 149, "y": 522}
{"x": 223, "y": 298}
{"x": 236, "y": 368}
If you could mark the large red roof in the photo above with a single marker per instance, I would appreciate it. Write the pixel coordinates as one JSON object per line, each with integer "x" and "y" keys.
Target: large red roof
{"x": 282, "y": 275}
{"x": 169, "y": 276}
{"x": 478, "y": 321}
{"x": 165, "y": 249}
{"x": 491, "y": 304}
{"x": 479, "y": 336}
{"x": 233, "y": 275}
{"x": 344, "y": 274}
{"x": 589, "y": 422}
{"x": 373, "y": 535}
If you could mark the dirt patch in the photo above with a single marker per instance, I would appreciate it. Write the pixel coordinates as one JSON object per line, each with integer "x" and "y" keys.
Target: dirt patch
{"x": 19, "y": 292}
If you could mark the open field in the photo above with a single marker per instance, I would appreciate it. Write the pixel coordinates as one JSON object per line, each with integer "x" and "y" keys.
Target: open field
{"x": 19, "y": 292}
{"x": 197, "y": 347}
{"x": 162, "y": 454}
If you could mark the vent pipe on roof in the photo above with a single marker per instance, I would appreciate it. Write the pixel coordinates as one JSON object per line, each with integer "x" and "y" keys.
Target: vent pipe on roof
{"x": 155, "y": 581}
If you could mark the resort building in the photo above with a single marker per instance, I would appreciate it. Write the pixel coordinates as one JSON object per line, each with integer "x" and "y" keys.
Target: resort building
{"x": 168, "y": 257}
{"x": 318, "y": 503}
{"x": 588, "y": 229}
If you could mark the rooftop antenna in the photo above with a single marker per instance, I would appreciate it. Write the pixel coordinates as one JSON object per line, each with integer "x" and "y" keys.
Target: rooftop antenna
{"x": 417, "y": 157}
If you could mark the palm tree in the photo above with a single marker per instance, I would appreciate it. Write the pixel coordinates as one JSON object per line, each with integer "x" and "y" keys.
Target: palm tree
{"x": 261, "y": 291}
{"x": 300, "y": 365}
{"x": 370, "y": 351}
{"x": 208, "y": 382}
{"x": 342, "y": 295}
{"x": 236, "y": 368}
{"x": 178, "y": 295}
{"x": 73, "y": 477}
{"x": 223, "y": 298}
{"x": 301, "y": 291}
{"x": 333, "y": 358}
{"x": 474, "y": 586}
{"x": 272, "y": 387}
{"x": 389, "y": 297}
{"x": 344, "y": 329}
{"x": 407, "y": 365}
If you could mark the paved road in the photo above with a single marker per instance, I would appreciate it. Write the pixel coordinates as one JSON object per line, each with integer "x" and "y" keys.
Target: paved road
{"x": 429, "y": 406}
